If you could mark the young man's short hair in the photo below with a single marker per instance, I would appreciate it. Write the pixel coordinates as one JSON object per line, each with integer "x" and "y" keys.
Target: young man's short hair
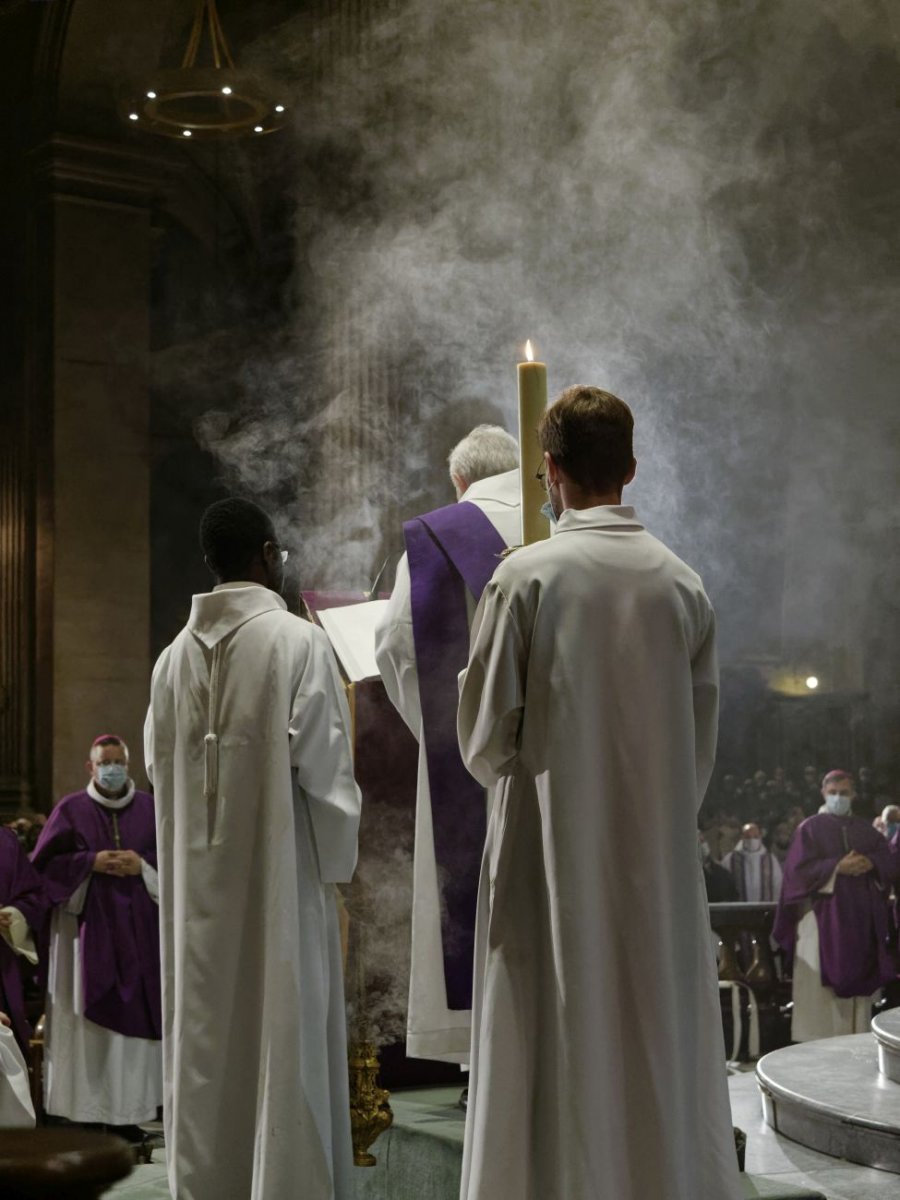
{"x": 589, "y": 433}
{"x": 232, "y": 534}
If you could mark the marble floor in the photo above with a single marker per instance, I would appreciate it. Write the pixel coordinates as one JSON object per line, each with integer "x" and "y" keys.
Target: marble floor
{"x": 776, "y": 1167}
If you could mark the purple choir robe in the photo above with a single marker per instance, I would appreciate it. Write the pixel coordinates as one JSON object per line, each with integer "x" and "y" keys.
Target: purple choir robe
{"x": 119, "y": 924}
{"x": 856, "y": 933}
{"x": 21, "y": 887}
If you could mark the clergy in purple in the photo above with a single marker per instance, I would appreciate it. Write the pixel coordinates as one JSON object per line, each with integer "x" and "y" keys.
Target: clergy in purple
{"x": 421, "y": 645}
{"x": 23, "y": 907}
{"x": 97, "y": 856}
{"x": 833, "y": 917}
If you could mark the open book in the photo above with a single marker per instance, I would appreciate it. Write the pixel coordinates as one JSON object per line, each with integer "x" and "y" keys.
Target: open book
{"x": 351, "y": 631}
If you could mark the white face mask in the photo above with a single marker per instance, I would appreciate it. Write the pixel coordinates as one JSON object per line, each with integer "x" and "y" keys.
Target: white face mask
{"x": 704, "y": 851}
{"x": 752, "y": 844}
{"x": 112, "y": 777}
{"x": 837, "y": 804}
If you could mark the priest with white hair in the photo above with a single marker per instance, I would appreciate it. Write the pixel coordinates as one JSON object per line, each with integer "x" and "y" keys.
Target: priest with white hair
{"x": 421, "y": 646}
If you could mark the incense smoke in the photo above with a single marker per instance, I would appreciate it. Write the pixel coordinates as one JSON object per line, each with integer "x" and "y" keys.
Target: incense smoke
{"x": 689, "y": 204}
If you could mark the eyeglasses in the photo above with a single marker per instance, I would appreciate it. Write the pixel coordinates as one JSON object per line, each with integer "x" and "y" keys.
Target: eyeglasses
{"x": 540, "y": 477}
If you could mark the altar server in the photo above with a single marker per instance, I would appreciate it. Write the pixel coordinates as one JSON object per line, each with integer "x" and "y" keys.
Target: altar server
{"x": 834, "y": 918}
{"x": 591, "y": 694}
{"x": 97, "y": 856}
{"x": 421, "y": 646}
{"x": 248, "y": 742}
{"x": 23, "y": 907}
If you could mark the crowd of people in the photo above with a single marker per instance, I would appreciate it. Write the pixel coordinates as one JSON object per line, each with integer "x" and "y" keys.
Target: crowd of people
{"x": 834, "y": 873}
{"x": 746, "y": 829}
{"x": 190, "y": 939}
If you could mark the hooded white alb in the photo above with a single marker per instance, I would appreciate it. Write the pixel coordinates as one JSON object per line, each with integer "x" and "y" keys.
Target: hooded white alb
{"x": 248, "y": 745}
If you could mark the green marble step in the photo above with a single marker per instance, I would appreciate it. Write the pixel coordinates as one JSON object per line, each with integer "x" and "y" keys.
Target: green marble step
{"x": 419, "y": 1157}
{"x": 429, "y": 1176}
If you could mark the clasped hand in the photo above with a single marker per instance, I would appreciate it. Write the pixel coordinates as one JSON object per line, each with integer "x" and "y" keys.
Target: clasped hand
{"x": 117, "y": 862}
{"x": 855, "y": 863}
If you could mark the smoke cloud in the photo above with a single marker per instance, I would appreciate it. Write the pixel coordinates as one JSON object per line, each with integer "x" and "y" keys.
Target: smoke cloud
{"x": 693, "y": 205}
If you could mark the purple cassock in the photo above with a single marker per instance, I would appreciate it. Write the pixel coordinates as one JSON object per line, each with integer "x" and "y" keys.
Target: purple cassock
{"x": 119, "y": 924}
{"x": 856, "y": 933}
{"x": 450, "y": 551}
{"x": 20, "y": 887}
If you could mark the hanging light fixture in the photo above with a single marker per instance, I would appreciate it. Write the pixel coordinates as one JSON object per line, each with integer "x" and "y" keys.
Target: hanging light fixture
{"x": 214, "y": 101}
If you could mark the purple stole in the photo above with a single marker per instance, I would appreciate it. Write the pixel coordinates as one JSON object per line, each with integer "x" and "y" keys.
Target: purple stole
{"x": 119, "y": 925}
{"x": 450, "y": 551}
{"x": 739, "y": 874}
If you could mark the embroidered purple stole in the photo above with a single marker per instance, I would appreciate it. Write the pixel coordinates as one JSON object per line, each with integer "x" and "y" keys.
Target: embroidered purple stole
{"x": 450, "y": 551}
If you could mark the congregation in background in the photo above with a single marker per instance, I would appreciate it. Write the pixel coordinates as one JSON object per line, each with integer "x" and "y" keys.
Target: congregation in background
{"x": 826, "y": 851}
{"x": 200, "y": 977}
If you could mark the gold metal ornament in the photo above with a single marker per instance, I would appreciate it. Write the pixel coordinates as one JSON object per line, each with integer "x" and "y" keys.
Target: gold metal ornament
{"x": 370, "y": 1110}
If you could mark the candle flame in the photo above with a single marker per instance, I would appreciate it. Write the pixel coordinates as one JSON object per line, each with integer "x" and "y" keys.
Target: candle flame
{"x": 529, "y": 352}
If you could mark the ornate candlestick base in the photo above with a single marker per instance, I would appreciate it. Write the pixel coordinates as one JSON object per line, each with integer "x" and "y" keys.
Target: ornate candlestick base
{"x": 370, "y": 1112}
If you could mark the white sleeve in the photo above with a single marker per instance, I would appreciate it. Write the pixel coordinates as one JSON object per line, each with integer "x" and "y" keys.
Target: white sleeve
{"x": 395, "y": 651}
{"x": 705, "y": 685}
{"x": 18, "y": 935}
{"x": 149, "y": 725}
{"x": 827, "y": 889}
{"x": 492, "y": 698}
{"x": 321, "y": 753}
{"x": 151, "y": 880}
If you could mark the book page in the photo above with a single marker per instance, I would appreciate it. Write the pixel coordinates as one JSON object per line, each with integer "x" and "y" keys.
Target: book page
{"x": 351, "y": 631}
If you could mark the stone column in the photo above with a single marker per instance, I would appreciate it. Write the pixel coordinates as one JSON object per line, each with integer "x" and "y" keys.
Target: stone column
{"x": 90, "y": 355}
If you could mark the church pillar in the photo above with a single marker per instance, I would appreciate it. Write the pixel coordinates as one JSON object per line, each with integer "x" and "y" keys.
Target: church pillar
{"x": 89, "y": 358}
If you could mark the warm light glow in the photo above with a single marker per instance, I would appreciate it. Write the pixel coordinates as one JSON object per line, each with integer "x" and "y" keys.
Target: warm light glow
{"x": 257, "y": 128}
{"x": 279, "y": 108}
{"x": 132, "y": 116}
{"x": 186, "y": 132}
{"x": 151, "y": 95}
{"x": 529, "y": 353}
{"x": 226, "y": 91}
{"x": 812, "y": 683}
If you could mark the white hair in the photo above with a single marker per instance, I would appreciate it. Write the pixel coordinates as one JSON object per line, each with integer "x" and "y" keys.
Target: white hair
{"x": 487, "y": 450}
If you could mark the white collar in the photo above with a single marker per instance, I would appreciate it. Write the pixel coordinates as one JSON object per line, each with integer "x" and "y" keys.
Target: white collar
{"x": 111, "y": 801}
{"x": 498, "y": 489}
{"x": 216, "y": 614}
{"x": 603, "y": 516}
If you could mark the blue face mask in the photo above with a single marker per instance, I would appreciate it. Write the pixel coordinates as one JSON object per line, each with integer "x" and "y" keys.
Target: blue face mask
{"x": 112, "y": 777}
{"x": 837, "y": 804}
{"x": 547, "y": 511}
{"x": 890, "y": 829}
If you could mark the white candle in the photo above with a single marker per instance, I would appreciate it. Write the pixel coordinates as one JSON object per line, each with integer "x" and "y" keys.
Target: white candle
{"x": 532, "y": 404}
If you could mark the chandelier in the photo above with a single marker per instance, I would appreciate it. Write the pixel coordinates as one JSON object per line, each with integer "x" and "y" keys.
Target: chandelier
{"x": 218, "y": 100}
